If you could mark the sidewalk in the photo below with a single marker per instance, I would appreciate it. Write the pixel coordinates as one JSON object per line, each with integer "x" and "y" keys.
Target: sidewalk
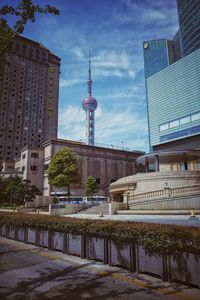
{"x": 31, "y": 272}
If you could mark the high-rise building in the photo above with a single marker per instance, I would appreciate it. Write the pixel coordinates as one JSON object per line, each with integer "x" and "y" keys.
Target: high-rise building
{"x": 172, "y": 75}
{"x": 189, "y": 24}
{"x": 173, "y": 105}
{"x": 177, "y": 46}
{"x": 28, "y": 98}
{"x": 89, "y": 104}
{"x": 158, "y": 54}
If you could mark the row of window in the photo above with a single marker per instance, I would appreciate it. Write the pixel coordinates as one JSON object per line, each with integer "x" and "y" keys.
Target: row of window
{"x": 32, "y": 168}
{"x": 33, "y": 155}
{"x": 180, "y": 121}
{"x": 180, "y": 134}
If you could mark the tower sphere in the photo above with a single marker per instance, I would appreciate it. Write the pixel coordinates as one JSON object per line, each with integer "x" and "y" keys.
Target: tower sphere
{"x": 89, "y": 103}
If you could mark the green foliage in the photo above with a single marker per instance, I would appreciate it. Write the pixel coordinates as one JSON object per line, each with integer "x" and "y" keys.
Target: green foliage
{"x": 64, "y": 169}
{"x": 17, "y": 191}
{"x": 24, "y": 11}
{"x": 155, "y": 238}
{"x": 91, "y": 186}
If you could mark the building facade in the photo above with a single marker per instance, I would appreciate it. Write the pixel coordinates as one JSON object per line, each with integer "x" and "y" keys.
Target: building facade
{"x": 189, "y": 24}
{"x": 172, "y": 73}
{"x": 106, "y": 165}
{"x": 28, "y": 98}
{"x": 173, "y": 104}
{"x": 158, "y": 54}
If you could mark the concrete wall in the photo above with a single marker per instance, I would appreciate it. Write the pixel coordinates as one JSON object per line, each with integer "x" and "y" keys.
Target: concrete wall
{"x": 66, "y": 209}
{"x": 40, "y": 201}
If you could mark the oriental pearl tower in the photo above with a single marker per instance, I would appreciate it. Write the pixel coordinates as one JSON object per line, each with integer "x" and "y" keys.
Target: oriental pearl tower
{"x": 89, "y": 104}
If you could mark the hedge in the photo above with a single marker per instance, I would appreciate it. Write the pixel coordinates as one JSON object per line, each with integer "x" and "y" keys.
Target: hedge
{"x": 155, "y": 238}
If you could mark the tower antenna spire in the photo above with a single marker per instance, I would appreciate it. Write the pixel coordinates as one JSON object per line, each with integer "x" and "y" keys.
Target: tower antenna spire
{"x": 89, "y": 104}
{"x": 89, "y": 82}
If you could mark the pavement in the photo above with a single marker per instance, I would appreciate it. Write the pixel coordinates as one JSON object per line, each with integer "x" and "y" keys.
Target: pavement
{"x": 183, "y": 220}
{"x": 31, "y": 273}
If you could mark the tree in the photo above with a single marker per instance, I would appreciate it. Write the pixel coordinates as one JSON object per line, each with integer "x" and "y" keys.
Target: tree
{"x": 26, "y": 191}
{"x": 12, "y": 184}
{"x": 19, "y": 191}
{"x": 64, "y": 169}
{"x": 91, "y": 186}
{"x": 25, "y": 11}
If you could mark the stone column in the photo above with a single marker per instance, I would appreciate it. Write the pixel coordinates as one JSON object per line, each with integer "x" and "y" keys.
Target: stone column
{"x": 147, "y": 165}
{"x": 125, "y": 199}
{"x": 157, "y": 166}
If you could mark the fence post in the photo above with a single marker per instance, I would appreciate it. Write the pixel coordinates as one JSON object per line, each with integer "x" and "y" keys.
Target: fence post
{"x": 132, "y": 257}
{"x": 49, "y": 246}
{"x": 83, "y": 246}
{"x": 65, "y": 243}
{"x": 105, "y": 257}
{"x": 137, "y": 262}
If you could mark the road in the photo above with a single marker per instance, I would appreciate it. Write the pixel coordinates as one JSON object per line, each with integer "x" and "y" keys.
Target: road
{"x": 28, "y": 272}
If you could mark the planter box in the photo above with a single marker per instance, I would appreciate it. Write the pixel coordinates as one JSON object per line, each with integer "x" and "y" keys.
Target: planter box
{"x": 75, "y": 245}
{"x": 185, "y": 268}
{"x": 12, "y": 232}
{"x": 122, "y": 254}
{"x": 57, "y": 241}
{"x": 32, "y": 236}
{"x": 21, "y": 234}
{"x": 43, "y": 238}
{"x": 149, "y": 264}
{"x": 97, "y": 249}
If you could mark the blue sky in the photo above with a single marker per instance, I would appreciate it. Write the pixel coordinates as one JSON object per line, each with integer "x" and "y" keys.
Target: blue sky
{"x": 114, "y": 31}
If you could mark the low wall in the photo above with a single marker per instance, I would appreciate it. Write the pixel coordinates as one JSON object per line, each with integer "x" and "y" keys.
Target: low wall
{"x": 115, "y": 206}
{"x": 67, "y": 209}
{"x": 40, "y": 201}
{"x": 174, "y": 203}
{"x": 184, "y": 267}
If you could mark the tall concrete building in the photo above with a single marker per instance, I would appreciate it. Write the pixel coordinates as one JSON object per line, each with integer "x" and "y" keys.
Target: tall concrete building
{"x": 28, "y": 98}
{"x": 189, "y": 24}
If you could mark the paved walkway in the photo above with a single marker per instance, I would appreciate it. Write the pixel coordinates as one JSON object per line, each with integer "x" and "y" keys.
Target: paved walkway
{"x": 161, "y": 219}
{"x": 31, "y": 273}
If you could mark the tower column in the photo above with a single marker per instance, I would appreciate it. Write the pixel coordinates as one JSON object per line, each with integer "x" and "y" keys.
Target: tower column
{"x": 89, "y": 104}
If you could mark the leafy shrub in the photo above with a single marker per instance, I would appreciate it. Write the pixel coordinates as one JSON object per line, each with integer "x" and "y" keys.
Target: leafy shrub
{"x": 156, "y": 238}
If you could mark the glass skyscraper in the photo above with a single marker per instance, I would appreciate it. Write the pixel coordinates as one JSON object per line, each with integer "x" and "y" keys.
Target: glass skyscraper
{"x": 189, "y": 24}
{"x": 158, "y": 54}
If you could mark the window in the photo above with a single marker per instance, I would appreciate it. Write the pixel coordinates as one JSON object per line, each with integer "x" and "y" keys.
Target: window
{"x": 98, "y": 180}
{"x": 23, "y": 155}
{"x": 23, "y": 168}
{"x": 34, "y": 155}
{"x": 164, "y": 126}
{"x": 195, "y": 116}
{"x": 33, "y": 168}
{"x": 184, "y": 120}
{"x": 174, "y": 123}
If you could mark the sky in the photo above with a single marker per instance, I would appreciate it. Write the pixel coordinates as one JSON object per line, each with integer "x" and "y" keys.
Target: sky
{"x": 113, "y": 31}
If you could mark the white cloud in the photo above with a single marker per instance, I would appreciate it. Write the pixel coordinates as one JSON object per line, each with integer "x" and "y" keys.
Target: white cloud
{"x": 112, "y": 59}
{"x": 69, "y": 82}
{"x": 112, "y": 127}
{"x": 78, "y": 52}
